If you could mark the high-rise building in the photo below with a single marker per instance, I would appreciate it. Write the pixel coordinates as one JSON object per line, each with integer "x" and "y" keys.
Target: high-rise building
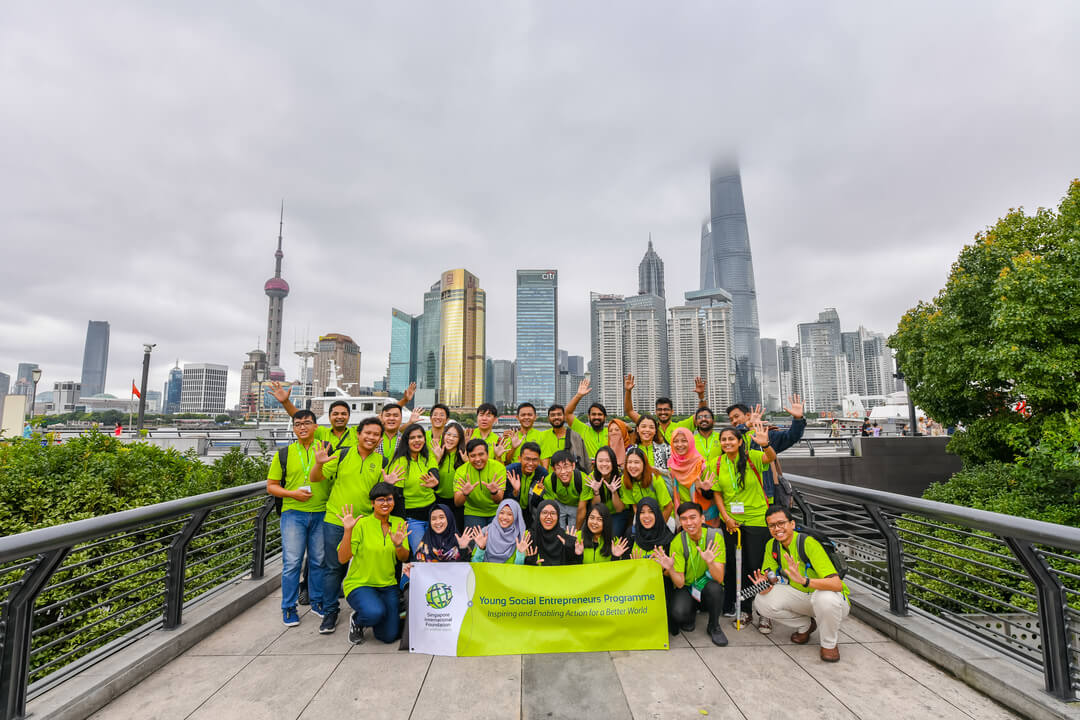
{"x": 700, "y": 345}
{"x": 502, "y": 374}
{"x": 537, "y": 365}
{"x": 608, "y": 321}
{"x": 5, "y": 384}
{"x": 770, "y": 375}
{"x": 686, "y": 347}
{"x": 824, "y": 366}
{"x": 428, "y": 340}
{"x": 203, "y": 389}
{"x": 651, "y": 273}
{"x": 342, "y": 353}
{"x": 463, "y": 323}
{"x": 726, "y": 263}
{"x": 869, "y": 365}
{"x": 95, "y": 357}
{"x": 404, "y": 343}
{"x": 790, "y": 371}
{"x": 24, "y": 380}
{"x": 564, "y": 361}
{"x": 575, "y": 365}
{"x": 277, "y": 290}
{"x": 153, "y": 401}
{"x": 173, "y": 387}
{"x": 251, "y": 372}
{"x": 646, "y": 348}
{"x": 65, "y": 397}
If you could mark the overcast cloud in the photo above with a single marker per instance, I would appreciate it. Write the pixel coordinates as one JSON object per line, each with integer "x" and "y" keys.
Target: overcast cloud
{"x": 145, "y": 152}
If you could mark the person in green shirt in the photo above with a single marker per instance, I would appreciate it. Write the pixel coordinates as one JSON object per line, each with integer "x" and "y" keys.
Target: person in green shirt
{"x": 640, "y": 481}
{"x": 302, "y": 508}
{"x": 594, "y": 541}
{"x": 737, "y": 477}
{"x": 485, "y": 421}
{"x": 439, "y": 417}
{"x": 664, "y": 409}
{"x": 419, "y": 473}
{"x": 695, "y": 566}
{"x": 595, "y": 433}
{"x": 526, "y": 415}
{"x": 350, "y": 473}
{"x": 806, "y": 590}
{"x": 479, "y": 485}
{"x": 603, "y": 487}
{"x": 560, "y": 437}
{"x": 564, "y": 487}
{"x": 449, "y": 451}
{"x": 373, "y": 546}
{"x": 505, "y": 540}
{"x": 525, "y": 479}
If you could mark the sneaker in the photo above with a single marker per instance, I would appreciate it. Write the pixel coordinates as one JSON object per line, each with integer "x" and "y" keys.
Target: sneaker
{"x": 317, "y": 609}
{"x": 689, "y": 627}
{"x": 764, "y": 626}
{"x": 303, "y": 598}
{"x": 717, "y": 636}
{"x": 289, "y": 617}
{"x": 329, "y": 623}
{"x": 356, "y": 632}
{"x": 742, "y": 619}
{"x": 729, "y": 613}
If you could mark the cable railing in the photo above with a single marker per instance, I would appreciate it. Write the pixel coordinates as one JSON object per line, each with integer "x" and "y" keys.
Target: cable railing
{"x": 73, "y": 594}
{"x": 1010, "y": 583}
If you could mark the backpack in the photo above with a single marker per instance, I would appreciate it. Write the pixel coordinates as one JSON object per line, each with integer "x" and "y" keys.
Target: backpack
{"x": 783, "y": 493}
{"x": 710, "y": 535}
{"x": 838, "y": 561}
{"x": 555, "y": 481}
{"x": 283, "y": 461}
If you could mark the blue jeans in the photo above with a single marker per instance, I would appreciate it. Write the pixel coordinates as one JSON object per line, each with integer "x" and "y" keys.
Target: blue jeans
{"x": 379, "y": 609}
{"x": 333, "y": 571}
{"x": 417, "y": 528}
{"x": 476, "y": 521}
{"x": 301, "y": 531}
{"x": 619, "y": 522}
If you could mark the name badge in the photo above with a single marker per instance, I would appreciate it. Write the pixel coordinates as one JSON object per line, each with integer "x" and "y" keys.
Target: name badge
{"x": 738, "y": 508}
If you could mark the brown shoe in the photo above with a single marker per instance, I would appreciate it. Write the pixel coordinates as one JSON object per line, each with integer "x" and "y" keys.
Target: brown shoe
{"x": 801, "y": 638}
{"x": 831, "y": 654}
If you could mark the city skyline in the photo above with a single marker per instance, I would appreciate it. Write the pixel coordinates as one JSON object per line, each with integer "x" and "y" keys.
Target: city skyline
{"x": 862, "y": 204}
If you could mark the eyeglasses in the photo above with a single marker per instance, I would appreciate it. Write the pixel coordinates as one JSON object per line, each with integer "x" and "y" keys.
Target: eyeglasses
{"x": 383, "y": 500}
{"x": 778, "y": 525}
{"x": 549, "y": 513}
{"x": 302, "y": 423}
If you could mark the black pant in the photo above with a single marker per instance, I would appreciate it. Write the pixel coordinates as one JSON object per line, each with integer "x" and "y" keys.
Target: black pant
{"x": 754, "y": 540}
{"x": 683, "y": 608}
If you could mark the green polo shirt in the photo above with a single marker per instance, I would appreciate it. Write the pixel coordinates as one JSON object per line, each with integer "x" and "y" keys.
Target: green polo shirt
{"x": 527, "y": 488}
{"x": 374, "y": 556}
{"x": 411, "y": 471}
{"x": 389, "y": 444}
{"x": 297, "y": 472}
{"x": 447, "y": 471}
{"x": 707, "y": 445}
{"x": 566, "y": 493}
{"x": 550, "y": 444}
{"x": 324, "y": 433}
{"x": 492, "y": 440}
{"x": 350, "y": 480}
{"x": 594, "y": 439}
{"x": 693, "y": 566}
{"x": 533, "y": 435}
{"x": 593, "y": 554}
{"x": 820, "y": 564}
{"x": 479, "y": 502}
{"x": 751, "y": 496}
{"x": 636, "y": 493}
{"x": 587, "y": 494}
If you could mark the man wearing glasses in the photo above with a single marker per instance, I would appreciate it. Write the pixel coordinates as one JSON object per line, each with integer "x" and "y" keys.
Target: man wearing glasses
{"x": 807, "y": 591}
{"x": 302, "y": 508}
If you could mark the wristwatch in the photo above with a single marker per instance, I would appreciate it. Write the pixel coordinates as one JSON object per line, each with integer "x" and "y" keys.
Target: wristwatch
{"x": 807, "y": 583}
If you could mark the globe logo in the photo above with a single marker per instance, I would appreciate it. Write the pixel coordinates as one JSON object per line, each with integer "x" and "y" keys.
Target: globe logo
{"x": 439, "y": 596}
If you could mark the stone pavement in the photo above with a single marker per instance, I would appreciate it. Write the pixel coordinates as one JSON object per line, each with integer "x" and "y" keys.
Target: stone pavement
{"x": 254, "y": 667}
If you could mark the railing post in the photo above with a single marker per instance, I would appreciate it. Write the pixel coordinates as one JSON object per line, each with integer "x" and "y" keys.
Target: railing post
{"x": 1053, "y": 622}
{"x": 810, "y": 445}
{"x": 807, "y": 513}
{"x": 894, "y": 555}
{"x": 258, "y": 556}
{"x": 18, "y": 626}
{"x": 174, "y": 574}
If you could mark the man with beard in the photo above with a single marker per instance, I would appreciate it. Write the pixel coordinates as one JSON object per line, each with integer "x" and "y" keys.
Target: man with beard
{"x": 706, "y": 441}
{"x": 664, "y": 410}
{"x": 560, "y": 437}
{"x": 595, "y": 433}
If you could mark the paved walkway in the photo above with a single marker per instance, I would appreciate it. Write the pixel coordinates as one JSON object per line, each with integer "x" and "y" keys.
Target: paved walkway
{"x": 256, "y": 668}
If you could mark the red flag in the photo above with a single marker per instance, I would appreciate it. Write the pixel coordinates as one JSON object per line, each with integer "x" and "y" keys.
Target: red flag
{"x": 135, "y": 390}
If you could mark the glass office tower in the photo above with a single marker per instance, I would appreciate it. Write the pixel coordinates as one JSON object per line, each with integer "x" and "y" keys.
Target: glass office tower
{"x": 537, "y": 367}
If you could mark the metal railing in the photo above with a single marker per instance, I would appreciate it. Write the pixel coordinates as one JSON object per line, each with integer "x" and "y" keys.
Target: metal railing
{"x": 840, "y": 442}
{"x": 1008, "y": 582}
{"x": 72, "y": 594}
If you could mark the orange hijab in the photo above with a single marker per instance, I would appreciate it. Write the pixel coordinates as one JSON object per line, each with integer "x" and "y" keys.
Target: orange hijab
{"x": 686, "y": 468}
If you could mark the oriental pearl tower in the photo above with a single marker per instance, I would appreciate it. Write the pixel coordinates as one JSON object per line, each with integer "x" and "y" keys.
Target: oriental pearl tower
{"x": 277, "y": 290}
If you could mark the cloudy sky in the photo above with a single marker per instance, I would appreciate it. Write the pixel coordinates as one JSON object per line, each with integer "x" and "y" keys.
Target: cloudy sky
{"x": 146, "y": 151}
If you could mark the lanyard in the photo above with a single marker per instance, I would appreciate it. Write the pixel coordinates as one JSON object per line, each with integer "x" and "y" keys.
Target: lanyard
{"x": 306, "y": 460}
{"x": 731, "y": 473}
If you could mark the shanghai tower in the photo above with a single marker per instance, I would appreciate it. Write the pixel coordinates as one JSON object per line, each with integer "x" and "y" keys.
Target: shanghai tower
{"x": 726, "y": 263}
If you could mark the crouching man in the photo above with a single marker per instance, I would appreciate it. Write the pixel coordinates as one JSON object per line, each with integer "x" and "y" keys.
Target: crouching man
{"x": 808, "y": 593}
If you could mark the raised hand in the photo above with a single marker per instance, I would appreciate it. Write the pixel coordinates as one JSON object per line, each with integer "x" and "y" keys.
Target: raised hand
{"x": 636, "y": 554}
{"x": 794, "y": 406}
{"x": 618, "y": 549}
{"x": 399, "y": 536}
{"x": 760, "y": 577}
{"x": 570, "y": 532}
{"x": 393, "y": 477}
{"x": 280, "y": 394}
{"x": 502, "y": 447}
{"x": 761, "y": 435}
{"x": 348, "y": 520}
{"x": 530, "y": 549}
{"x": 415, "y": 415}
{"x": 579, "y": 547}
{"x": 497, "y": 483}
{"x": 517, "y": 438}
{"x": 709, "y": 554}
{"x": 583, "y": 387}
{"x": 480, "y": 538}
{"x": 595, "y": 483}
{"x": 628, "y": 382}
{"x": 437, "y": 449}
{"x": 665, "y": 561}
{"x": 792, "y": 570}
{"x": 707, "y": 481}
{"x": 466, "y": 487}
{"x": 463, "y": 455}
{"x": 429, "y": 481}
{"x": 699, "y": 386}
{"x": 614, "y": 484}
{"x": 515, "y": 482}
{"x": 756, "y": 413}
{"x": 408, "y": 394}
{"x": 464, "y": 539}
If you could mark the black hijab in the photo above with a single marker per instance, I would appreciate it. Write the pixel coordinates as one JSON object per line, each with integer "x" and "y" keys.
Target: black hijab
{"x": 441, "y": 547}
{"x": 658, "y": 534}
{"x": 550, "y": 544}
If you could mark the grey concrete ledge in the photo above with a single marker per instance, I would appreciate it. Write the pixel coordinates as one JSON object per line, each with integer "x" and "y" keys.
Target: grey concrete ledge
{"x": 90, "y": 690}
{"x": 988, "y": 671}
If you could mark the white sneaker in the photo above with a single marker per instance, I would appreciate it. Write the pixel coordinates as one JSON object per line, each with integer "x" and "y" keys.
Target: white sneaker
{"x": 764, "y": 625}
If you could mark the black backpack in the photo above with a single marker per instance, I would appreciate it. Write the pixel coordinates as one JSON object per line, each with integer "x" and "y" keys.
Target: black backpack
{"x": 555, "y": 481}
{"x": 710, "y": 536}
{"x": 283, "y": 461}
{"x": 839, "y": 562}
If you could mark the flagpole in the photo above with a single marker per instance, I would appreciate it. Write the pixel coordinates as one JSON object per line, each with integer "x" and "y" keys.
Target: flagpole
{"x": 131, "y": 404}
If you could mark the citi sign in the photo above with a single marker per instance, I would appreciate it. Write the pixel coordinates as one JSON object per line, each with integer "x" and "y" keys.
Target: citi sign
{"x": 548, "y": 275}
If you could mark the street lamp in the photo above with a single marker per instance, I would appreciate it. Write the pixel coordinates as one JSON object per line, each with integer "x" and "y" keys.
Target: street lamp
{"x": 35, "y": 376}
{"x": 147, "y": 347}
{"x": 260, "y": 375}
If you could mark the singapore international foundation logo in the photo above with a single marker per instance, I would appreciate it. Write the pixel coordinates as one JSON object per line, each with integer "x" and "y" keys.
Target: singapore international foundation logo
{"x": 439, "y": 596}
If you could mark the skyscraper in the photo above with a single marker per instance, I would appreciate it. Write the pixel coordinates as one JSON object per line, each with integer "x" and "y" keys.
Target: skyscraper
{"x": 770, "y": 375}
{"x": 824, "y": 366}
{"x": 537, "y": 368}
{"x": 5, "y": 384}
{"x": 701, "y": 345}
{"x": 790, "y": 371}
{"x": 277, "y": 290}
{"x": 204, "y": 388}
{"x": 342, "y": 352}
{"x": 726, "y": 263}
{"x": 24, "y": 381}
{"x": 428, "y": 350}
{"x": 501, "y": 383}
{"x": 173, "y": 388}
{"x": 646, "y": 348}
{"x": 251, "y": 372}
{"x": 403, "y": 349}
{"x": 608, "y": 325}
{"x": 95, "y": 357}
{"x": 462, "y": 339}
{"x": 651, "y": 273}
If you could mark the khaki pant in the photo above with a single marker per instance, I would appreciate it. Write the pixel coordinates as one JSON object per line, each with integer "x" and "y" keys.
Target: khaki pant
{"x": 786, "y": 604}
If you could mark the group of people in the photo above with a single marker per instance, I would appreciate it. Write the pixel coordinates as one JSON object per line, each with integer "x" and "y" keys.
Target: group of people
{"x": 365, "y": 503}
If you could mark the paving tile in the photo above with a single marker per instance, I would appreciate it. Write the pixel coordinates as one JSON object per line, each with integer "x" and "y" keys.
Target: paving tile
{"x": 781, "y": 635}
{"x": 343, "y": 696}
{"x": 677, "y": 641}
{"x": 754, "y": 676}
{"x": 270, "y": 688}
{"x": 675, "y": 684}
{"x": 860, "y": 632}
{"x": 871, "y": 687}
{"x": 955, "y": 691}
{"x": 560, "y": 686}
{"x": 249, "y": 633}
{"x": 306, "y": 640}
{"x": 473, "y": 688}
{"x": 746, "y": 637}
{"x": 176, "y": 690}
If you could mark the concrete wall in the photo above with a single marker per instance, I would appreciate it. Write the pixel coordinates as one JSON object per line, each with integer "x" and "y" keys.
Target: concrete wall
{"x": 904, "y": 465}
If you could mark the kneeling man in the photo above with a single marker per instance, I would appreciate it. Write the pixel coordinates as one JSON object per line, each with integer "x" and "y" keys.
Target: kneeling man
{"x": 813, "y": 596}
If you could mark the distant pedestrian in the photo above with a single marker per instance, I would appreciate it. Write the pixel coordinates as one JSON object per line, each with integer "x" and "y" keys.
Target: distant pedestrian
{"x": 119, "y": 430}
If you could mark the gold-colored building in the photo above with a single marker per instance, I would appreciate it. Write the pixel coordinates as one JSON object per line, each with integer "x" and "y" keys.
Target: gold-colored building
{"x": 463, "y": 340}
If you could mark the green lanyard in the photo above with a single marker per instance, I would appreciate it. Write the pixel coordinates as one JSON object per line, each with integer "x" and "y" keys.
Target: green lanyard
{"x": 731, "y": 473}
{"x": 306, "y": 460}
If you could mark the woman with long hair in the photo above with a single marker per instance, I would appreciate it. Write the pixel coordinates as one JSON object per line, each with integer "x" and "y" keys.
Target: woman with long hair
{"x": 595, "y": 541}
{"x": 602, "y": 488}
{"x": 416, "y": 474}
{"x": 639, "y": 481}
{"x": 656, "y": 450}
{"x": 449, "y": 451}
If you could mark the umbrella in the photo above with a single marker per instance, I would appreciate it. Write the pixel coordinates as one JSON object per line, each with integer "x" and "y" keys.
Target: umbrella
{"x": 738, "y": 577}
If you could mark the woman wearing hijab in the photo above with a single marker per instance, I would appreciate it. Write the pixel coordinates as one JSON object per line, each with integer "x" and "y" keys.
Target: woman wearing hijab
{"x": 440, "y": 543}
{"x": 505, "y": 539}
{"x": 685, "y": 463}
{"x": 619, "y": 439}
{"x": 652, "y": 535}
{"x": 551, "y": 544}
{"x": 594, "y": 540}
